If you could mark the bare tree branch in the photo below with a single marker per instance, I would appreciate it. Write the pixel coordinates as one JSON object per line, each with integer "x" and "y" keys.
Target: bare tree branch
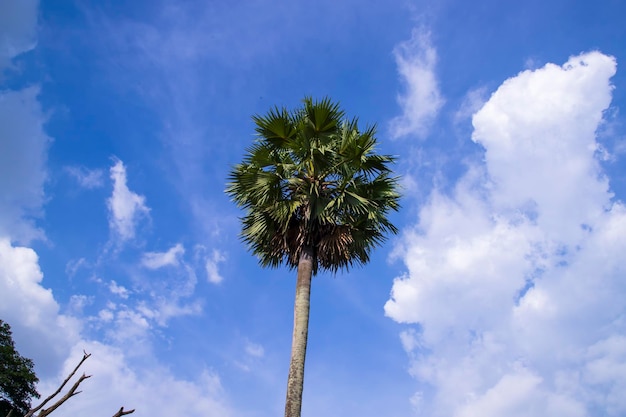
{"x": 45, "y": 411}
{"x": 70, "y": 393}
{"x": 123, "y": 413}
{"x": 55, "y": 393}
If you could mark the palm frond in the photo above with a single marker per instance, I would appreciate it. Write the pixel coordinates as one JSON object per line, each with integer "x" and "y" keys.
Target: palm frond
{"x": 313, "y": 179}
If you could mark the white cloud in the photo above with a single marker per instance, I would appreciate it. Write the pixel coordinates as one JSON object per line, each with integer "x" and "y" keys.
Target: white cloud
{"x": 125, "y": 206}
{"x": 106, "y": 315}
{"x": 542, "y": 123}
{"x": 18, "y": 29}
{"x": 156, "y": 260}
{"x": 86, "y": 178}
{"x": 420, "y": 103}
{"x": 212, "y": 264}
{"x": 515, "y": 277}
{"x": 40, "y": 331}
{"x": 73, "y": 265}
{"x": 118, "y": 290}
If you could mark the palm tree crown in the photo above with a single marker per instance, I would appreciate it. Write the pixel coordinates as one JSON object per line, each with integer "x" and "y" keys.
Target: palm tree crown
{"x": 311, "y": 181}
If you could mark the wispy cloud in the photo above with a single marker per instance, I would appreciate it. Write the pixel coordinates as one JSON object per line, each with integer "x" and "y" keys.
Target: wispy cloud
{"x": 254, "y": 350}
{"x": 420, "y": 103}
{"x": 473, "y": 101}
{"x": 126, "y": 208}
{"x": 212, "y": 266}
{"x": 18, "y": 29}
{"x": 74, "y": 265}
{"x": 164, "y": 308}
{"x": 252, "y": 359}
{"x": 156, "y": 260}
{"x": 23, "y": 155}
{"x": 515, "y": 278}
{"x": 86, "y": 178}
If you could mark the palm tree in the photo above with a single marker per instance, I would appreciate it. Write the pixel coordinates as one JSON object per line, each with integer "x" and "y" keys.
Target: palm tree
{"x": 315, "y": 195}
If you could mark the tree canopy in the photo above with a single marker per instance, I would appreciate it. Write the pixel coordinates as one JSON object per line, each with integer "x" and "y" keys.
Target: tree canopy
{"x": 313, "y": 179}
{"x": 17, "y": 378}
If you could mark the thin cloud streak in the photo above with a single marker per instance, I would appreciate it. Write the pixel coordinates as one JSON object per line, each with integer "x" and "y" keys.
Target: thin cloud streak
{"x": 212, "y": 266}
{"x": 156, "y": 260}
{"x": 18, "y": 29}
{"x": 421, "y": 101}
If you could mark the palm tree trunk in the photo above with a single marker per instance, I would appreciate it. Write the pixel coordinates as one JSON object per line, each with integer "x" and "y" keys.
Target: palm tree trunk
{"x": 295, "y": 381}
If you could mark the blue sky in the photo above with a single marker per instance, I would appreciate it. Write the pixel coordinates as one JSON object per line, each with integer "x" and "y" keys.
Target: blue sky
{"x": 502, "y": 295}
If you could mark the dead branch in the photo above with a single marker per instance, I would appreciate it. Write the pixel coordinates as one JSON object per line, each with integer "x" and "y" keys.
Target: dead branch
{"x": 55, "y": 393}
{"x": 70, "y": 393}
{"x": 45, "y": 411}
{"x": 123, "y": 413}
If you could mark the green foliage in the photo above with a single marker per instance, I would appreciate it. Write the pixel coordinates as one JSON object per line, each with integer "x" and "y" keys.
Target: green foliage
{"x": 313, "y": 179}
{"x": 17, "y": 378}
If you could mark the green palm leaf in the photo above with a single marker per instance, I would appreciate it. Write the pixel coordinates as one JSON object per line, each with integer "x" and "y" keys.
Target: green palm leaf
{"x": 313, "y": 178}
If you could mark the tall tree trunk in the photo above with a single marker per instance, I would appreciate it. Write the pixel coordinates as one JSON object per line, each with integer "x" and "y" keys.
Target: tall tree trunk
{"x": 295, "y": 382}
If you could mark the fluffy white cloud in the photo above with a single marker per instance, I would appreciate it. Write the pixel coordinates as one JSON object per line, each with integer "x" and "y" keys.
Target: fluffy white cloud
{"x": 416, "y": 60}
{"x": 18, "y": 29}
{"x": 126, "y": 208}
{"x": 542, "y": 124}
{"x": 156, "y": 260}
{"x": 40, "y": 331}
{"x": 515, "y": 277}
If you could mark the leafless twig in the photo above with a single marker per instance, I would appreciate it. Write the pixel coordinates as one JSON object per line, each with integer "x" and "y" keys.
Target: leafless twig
{"x": 123, "y": 413}
{"x": 70, "y": 393}
{"x": 55, "y": 393}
